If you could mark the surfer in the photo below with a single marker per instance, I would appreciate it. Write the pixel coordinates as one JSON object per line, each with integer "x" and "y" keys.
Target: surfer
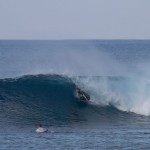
{"x": 82, "y": 95}
{"x": 40, "y": 129}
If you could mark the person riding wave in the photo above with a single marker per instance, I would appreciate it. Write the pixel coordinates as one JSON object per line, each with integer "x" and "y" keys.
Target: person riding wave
{"x": 82, "y": 95}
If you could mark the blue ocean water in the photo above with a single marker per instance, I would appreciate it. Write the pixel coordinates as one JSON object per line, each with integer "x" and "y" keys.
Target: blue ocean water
{"x": 37, "y": 83}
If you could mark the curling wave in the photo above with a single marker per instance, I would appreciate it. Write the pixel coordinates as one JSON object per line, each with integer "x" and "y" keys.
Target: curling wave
{"x": 50, "y": 98}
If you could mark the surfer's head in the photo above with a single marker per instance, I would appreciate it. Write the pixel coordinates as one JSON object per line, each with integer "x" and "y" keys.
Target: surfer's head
{"x": 40, "y": 125}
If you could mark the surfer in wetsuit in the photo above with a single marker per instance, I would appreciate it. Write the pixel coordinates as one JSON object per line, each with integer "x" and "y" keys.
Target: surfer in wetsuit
{"x": 82, "y": 95}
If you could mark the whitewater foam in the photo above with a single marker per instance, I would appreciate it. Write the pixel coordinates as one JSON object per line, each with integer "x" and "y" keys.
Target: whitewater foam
{"x": 125, "y": 93}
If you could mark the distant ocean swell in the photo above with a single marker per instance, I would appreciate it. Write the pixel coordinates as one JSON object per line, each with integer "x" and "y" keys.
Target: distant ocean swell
{"x": 37, "y": 98}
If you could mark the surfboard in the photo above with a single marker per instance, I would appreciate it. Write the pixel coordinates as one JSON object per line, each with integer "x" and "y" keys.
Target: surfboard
{"x": 41, "y": 130}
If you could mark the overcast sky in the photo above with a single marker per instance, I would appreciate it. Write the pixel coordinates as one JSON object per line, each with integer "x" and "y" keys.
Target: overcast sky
{"x": 74, "y": 19}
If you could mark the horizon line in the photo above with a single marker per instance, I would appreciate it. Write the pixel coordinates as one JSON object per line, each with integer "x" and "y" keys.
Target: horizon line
{"x": 125, "y": 39}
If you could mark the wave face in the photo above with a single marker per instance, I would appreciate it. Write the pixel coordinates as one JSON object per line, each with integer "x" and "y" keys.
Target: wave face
{"x": 50, "y": 98}
{"x": 38, "y": 97}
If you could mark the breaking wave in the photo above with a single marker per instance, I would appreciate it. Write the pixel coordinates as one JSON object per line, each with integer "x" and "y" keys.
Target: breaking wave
{"x": 37, "y": 98}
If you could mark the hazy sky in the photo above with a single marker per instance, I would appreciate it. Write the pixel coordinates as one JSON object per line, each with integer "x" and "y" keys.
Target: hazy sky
{"x": 74, "y": 19}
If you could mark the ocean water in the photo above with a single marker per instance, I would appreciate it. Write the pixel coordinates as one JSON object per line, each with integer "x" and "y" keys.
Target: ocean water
{"x": 37, "y": 83}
